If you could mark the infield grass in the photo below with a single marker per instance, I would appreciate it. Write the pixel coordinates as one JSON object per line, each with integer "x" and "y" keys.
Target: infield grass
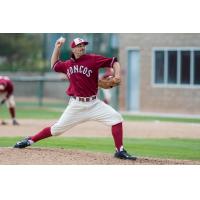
{"x": 184, "y": 149}
{"x": 28, "y": 112}
{"x": 32, "y": 113}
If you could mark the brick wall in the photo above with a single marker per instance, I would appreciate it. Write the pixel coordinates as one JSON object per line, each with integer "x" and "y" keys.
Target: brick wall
{"x": 155, "y": 99}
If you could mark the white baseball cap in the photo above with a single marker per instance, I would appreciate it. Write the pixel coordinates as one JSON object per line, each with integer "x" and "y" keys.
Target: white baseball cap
{"x": 78, "y": 41}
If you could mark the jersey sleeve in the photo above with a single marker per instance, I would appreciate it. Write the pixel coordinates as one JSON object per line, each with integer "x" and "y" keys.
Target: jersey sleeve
{"x": 9, "y": 88}
{"x": 59, "y": 66}
{"x": 102, "y": 61}
{"x": 8, "y": 85}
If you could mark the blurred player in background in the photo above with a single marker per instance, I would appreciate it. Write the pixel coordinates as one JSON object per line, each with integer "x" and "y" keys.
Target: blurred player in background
{"x": 106, "y": 96}
{"x": 106, "y": 92}
{"x": 6, "y": 96}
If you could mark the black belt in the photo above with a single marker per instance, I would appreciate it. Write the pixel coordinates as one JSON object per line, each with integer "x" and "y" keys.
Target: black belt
{"x": 85, "y": 99}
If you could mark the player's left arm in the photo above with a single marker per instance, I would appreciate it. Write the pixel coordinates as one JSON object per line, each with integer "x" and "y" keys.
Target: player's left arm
{"x": 111, "y": 81}
{"x": 117, "y": 68}
{"x": 103, "y": 62}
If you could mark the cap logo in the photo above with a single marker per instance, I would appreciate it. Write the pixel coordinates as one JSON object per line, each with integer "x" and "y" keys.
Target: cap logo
{"x": 78, "y": 41}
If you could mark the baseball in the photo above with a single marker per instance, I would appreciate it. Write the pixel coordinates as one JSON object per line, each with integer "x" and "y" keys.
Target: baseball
{"x": 61, "y": 39}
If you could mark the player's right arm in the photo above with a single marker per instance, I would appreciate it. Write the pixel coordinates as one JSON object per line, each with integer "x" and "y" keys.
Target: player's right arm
{"x": 56, "y": 52}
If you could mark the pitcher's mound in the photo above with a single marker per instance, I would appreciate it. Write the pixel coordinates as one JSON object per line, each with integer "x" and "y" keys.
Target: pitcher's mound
{"x": 47, "y": 156}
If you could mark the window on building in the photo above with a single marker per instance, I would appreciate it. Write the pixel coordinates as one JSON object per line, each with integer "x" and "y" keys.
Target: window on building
{"x": 185, "y": 67}
{"x": 172, "y": 67}
{"x": 159, "y": 65}
{"x": 177, "y": 66}
{"x": 196, "y": 67}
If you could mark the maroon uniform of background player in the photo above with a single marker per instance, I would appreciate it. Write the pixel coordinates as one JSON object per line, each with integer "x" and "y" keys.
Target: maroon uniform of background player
{"x": 6, "y": 96}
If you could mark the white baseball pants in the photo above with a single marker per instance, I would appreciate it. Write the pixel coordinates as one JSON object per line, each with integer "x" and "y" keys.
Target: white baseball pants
{"x": 10, "y": 102}
{"x": 78, "y": 112}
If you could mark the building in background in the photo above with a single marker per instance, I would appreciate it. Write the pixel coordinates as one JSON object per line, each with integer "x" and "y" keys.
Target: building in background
{"x": 161, "y": 72}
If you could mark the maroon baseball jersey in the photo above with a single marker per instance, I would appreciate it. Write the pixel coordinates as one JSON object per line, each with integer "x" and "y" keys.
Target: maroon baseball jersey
{"x": 4, "y": 80}
{"x": 83, "y": 73}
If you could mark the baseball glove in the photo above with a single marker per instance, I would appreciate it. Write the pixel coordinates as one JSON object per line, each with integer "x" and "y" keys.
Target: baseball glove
{"x": 108, "y": 82}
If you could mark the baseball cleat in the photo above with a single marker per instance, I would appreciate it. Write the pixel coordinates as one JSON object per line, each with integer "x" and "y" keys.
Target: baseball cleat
{"x": 15, "y": 122}
{"x": 4, "y": 123}
{"x": 124, "y": 155}
{"x": 23, "y": 143}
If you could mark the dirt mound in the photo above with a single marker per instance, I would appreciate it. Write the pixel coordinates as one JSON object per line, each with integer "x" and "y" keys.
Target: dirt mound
{"x": 47, "y": 156}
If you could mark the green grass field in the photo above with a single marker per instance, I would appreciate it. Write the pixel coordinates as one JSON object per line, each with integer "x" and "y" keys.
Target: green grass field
{"x": 50, "y": 112}
{"x": 184, "y": 149}
{"x": 162, "y": 148}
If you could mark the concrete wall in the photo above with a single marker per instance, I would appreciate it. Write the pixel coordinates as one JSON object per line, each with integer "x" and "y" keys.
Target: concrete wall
{"x": 155, "y": 99}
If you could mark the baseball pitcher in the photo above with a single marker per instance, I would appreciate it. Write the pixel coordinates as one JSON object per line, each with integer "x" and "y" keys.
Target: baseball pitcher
{"x": 82, "y": 71}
